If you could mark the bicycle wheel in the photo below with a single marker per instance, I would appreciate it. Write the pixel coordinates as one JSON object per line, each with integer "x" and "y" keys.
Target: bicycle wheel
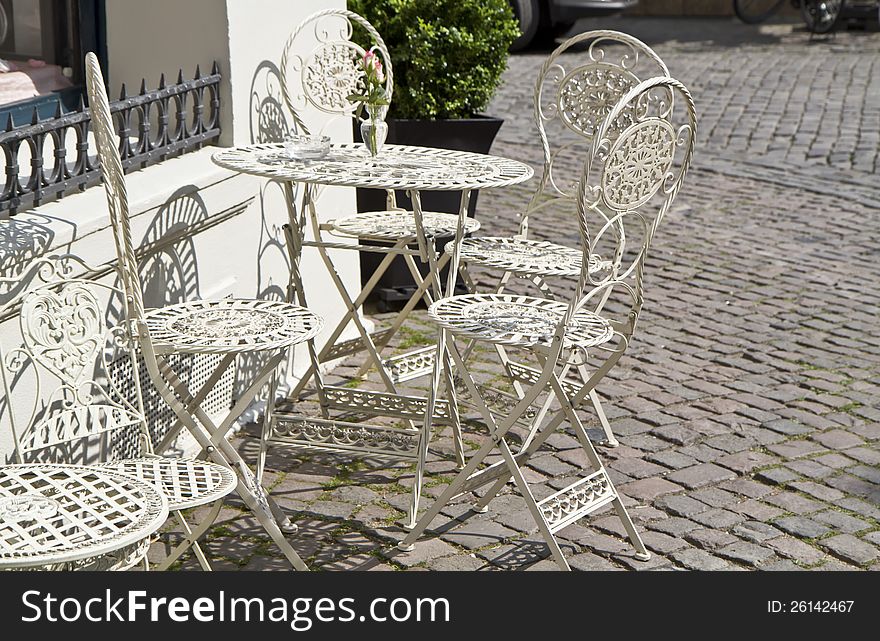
{"x": 755, "y": 11}
{"x": 821, "y": 15}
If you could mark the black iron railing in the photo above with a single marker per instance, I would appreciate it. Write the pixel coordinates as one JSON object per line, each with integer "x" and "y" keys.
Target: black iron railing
{"x": 152, "y": 126}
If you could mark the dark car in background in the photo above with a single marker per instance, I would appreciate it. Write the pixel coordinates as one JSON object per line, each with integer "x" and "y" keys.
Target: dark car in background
{"x": 544, "y": 20}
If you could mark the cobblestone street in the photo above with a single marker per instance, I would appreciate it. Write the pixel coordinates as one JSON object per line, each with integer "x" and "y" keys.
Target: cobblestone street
{"x": 748, "y": 406}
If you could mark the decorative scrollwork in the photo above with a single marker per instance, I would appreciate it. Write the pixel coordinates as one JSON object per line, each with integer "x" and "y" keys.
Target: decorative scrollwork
{"x": 331, "y": 73}
{"x": 577, "y": 500}
{"x": 327, "y": 73}
{"x": 397, "y": 167}
{"x": 27, "y": 507}
{"x": 638, "y": 164}
{"x": 518, "y": 320}
{"x": 412, "y": 365}
{"x": 340, "y": 435}
{"x": 396, "y": 224}
{"x": 231, "y": 325}
{"x": 589, "y": 93}
{"x": 64, "y": 330}
{"x": 384, "y": 404}
{"x": 529, "y": 257}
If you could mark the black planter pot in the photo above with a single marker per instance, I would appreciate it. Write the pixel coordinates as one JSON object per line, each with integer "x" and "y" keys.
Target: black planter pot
{"x": 469, "y": 134}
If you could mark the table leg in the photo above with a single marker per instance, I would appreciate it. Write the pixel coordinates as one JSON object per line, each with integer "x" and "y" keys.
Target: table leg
{"x": 442, "y": 363}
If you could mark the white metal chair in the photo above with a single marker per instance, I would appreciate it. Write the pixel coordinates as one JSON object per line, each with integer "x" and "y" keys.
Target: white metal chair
{"x": 228, "y": 327}
{"x": 319, "y": 81}
{"x": 570, "y": 104}
{"x": 627, "y": 174}
{"x": 86, "y": 416}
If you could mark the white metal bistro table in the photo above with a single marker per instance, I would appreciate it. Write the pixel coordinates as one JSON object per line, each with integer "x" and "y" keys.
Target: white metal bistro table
{"x": 405, "y": 168}
{"x": 74, "y": 517}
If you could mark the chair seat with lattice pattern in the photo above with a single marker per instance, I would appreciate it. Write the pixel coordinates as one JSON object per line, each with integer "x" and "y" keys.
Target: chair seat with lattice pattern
{"x": 531, "y": 257}
{"x": 230, "y": 325}
{"x": 391, "y": 225}
{"x": 185, "y": 482}
{"x": 523, "y": 321}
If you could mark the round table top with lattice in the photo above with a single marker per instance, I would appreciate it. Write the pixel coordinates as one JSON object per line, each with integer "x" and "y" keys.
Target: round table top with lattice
{"x": 52, "y": 514}
{"x": 396, "y": 167}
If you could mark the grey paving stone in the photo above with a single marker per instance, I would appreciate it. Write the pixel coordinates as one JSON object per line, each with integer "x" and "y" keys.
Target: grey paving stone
{"x": 757, "y": 510}
{"x": 791, "y": 502}
{"x": 718, "y": 518}
{"x": 457, "y": 563}
{"x": 715, "y": 496}
{"x": 783, "y": 565}
{"x": 423, "y": 551}
{"x": 671, "y": 458}
{"x": 745, "y": 462}
{"x": 837, "y": 439}
{"x": 801, "y": 527}
{"x": 748, "y": 553}
{"x": 796, "y": 550}
{"x": 701, "y": 475}
{"x": 851, "y": 549}
{"x": 650, "y": 488}
{"x": 656, "y": 562}
{"x": 841, "y": 522}
{"x": 354, "y": 494}
{"x": 777, "y": 476}
{"x": 637, "y": 468}
{"x": 662, "y": 543}
{"x": 694, "y": 559}
{"x": 708, "y": 539}
{"x": 674, "y": 526}
{"x": 747, "y": 487}
{"x": 756, "y": 531}
{"x": 477, "y": 533}
{"x": 588, "y": 562}
{"x": 680, "y": 505}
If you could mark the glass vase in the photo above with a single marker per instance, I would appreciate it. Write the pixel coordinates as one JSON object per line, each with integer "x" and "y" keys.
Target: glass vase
{"x": 374, "y": 129}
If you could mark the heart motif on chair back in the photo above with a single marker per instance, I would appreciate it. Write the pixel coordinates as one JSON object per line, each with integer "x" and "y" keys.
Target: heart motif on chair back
{"x": 64, "y": 331}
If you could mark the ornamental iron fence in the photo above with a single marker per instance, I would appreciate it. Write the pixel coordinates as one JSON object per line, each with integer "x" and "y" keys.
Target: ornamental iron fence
{"x": 152, "y": 126}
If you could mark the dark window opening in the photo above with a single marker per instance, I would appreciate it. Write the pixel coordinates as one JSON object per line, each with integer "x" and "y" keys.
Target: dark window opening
{"x": 42, "y": 45}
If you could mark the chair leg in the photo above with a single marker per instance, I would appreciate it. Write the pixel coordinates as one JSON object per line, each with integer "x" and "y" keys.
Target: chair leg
{"x": 256, "y": 503}
{"x": 610, "y": 440}
{"x": 642, "y": 553}
{"x": 176, "y": 395}
{"x": 421, "y": 293}
{"x": 191, "y": 538}
{"x": 532, "y": 504}
{"x": 266, "y": 429}
{"x": 498, "y": 431}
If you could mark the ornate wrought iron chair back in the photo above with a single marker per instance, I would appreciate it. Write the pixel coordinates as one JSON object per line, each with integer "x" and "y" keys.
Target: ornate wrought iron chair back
{"x": 571, "y": 102}
{"x": 63, "y": 359}
{"x": 114, "y": 186}
{"x": 324, "y": 78}
{"x": 630, "y": 180}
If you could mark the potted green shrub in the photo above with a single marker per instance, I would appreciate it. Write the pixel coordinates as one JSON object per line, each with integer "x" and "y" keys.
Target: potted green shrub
{"x": 448, "y": 57}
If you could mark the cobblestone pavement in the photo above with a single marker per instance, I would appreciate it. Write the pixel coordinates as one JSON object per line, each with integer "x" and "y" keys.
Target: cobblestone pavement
{"x": 748, "y": 406}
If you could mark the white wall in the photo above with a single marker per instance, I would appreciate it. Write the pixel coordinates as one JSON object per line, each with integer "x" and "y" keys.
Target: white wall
{"x": 244, "y": 255}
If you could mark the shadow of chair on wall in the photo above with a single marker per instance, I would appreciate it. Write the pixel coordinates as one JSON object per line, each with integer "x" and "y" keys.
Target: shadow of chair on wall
{"x": 270, "y": 122}
{"x": 22, "y": 241}
{"x": 169, "y": 270}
